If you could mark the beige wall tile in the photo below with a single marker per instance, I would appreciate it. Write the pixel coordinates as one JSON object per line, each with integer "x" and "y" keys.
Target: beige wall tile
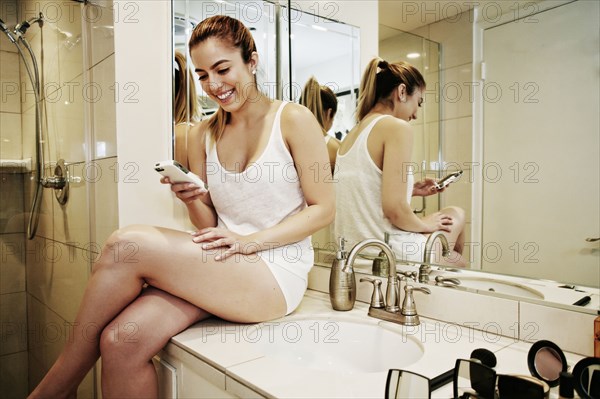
{"x": 59, "y": 278}
{"x": 457, "y": 142}
{"x": 13, "y": 375}
{"x": 47, "y": 335}
{"x": 11, "y": 198}
{"x": 431, "y": 96}
{"x": 12, "y": 267}
{"x": 104, "y": 108}
{"x": 70, "y": 42}
{"x": 101, "y": 33}
{"x": 106, "y": 216}
{"x": 28, "y": 134}
{"x": 10, "y": 136}
{"x": 9, "y": 77}
{"x": 36, "y": 371}
{"x": 457, "y": 92}
{"x": 66, "y": 113}
{"x": 13, "y": 319}
{"x": 456, "y": 36}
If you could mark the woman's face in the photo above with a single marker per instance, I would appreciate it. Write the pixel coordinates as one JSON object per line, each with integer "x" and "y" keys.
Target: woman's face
{"x": 328, "y": 122}
{"x": 409, "y": 104}
{"x": 223, "y": 74}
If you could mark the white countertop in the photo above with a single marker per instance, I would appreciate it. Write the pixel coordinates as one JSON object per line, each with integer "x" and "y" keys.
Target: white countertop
{"x": 232, "y": 349}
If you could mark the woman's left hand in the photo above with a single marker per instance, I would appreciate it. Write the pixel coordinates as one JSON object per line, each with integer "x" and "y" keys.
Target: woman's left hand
{"x": 212, "y": 238}
{"x": 425, "y": 188}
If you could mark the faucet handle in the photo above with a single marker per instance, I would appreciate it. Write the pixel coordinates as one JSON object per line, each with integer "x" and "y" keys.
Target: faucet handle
{"x": 446, "y": 281}
{"x": 408, "y": 306}
{"x": 409, "y": 274}
{"x": 377, "y": 296}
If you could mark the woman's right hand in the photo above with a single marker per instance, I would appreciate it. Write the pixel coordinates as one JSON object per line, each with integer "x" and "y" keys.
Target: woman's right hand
{"x": 187, "y": 192}
{"x": 438, "y": 221}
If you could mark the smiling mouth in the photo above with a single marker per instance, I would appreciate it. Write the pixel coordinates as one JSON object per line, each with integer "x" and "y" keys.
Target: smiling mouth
{"x": 224, "y": 96}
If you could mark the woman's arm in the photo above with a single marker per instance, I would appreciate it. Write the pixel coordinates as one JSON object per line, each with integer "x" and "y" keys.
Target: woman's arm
{"x": 397, "y": 160}
{"x": 333, "y": 145}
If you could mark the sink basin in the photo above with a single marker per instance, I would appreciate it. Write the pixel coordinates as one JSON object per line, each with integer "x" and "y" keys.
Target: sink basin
{"x": 499, "y": 286}
{"x": 339, "y": 345}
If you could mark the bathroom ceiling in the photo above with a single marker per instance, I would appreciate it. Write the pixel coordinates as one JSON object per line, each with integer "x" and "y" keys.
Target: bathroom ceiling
{"x": 408, "y": 15}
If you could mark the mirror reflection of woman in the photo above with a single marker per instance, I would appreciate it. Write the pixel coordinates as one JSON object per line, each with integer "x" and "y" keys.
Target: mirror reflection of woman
{"x": 249, "y": 259}
{"x": 322, "y": 102}
{"x": 374, "y": 183}
{"x": 185, "y": 107}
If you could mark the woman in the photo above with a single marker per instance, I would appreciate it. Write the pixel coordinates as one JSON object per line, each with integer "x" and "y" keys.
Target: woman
{"x": 322, "y": 102}
{"x": 185, "y": 107}
{"x": 248, "y": 262}
{"x": 374, "y": 182}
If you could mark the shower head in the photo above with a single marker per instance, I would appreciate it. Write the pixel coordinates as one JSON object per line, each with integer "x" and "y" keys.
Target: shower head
{"x": 5, "y": 29}
{"x": 21, "y": 28}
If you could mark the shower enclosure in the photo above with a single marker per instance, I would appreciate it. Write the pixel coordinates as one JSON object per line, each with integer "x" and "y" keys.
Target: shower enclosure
{"x": 57, "y": 118}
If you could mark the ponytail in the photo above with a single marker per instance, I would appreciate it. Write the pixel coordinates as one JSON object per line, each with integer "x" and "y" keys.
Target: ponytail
{"x": 367, "y": 95}
{"x": 318, "y": 99}
{"x": 381, "y": 78}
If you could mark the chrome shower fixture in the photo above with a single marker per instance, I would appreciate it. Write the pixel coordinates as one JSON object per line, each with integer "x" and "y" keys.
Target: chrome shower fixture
{"x": 21, "y": 28}
{"x": 7, "y": 31}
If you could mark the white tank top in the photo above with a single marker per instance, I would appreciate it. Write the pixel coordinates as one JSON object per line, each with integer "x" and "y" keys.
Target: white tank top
{"x": 359, "y": 212}
{"x": 261, "y": 196}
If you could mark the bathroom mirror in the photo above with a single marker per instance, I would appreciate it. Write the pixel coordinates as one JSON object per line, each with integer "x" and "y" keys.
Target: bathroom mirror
{"x": 535, "y": 158}
{"x": 433, "y": 144}
{"x": 540, "y": 226}
{"x": 287, "y": 60}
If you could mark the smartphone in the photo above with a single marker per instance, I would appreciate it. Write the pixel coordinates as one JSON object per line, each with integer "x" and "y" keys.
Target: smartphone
{"x": 452, "y": 177}
{"x": 177, "y": 173}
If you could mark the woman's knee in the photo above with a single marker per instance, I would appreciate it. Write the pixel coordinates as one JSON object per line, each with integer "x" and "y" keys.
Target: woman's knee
{"x": 456, "y": 212}
{"x": 118, "y": 345}
{"x": 122, "y": 246}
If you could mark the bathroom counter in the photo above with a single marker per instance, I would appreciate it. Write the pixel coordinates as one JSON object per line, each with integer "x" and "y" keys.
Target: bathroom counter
{"x": 234, "y": 362}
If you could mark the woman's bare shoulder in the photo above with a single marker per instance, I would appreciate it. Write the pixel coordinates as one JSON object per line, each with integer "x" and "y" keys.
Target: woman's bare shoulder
{"x": 293, "y": 113}
{"x": 298, "y": 122}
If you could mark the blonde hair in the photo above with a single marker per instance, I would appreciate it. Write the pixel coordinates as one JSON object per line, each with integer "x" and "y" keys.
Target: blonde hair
{"x": 318, "y": 99}
{"x": 381, "y": 78}
{"x": 185, "y": 107}
{"x": 235, "y": 34}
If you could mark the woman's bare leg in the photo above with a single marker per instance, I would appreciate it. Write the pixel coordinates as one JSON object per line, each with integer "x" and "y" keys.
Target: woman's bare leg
{"x": 129, "y": 342}
{"x": 171, "y": 261}
{"x": 456, "y": 240}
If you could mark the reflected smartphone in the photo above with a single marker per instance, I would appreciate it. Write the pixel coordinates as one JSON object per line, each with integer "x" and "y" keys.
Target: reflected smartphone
{"x": 452, "y": 177}
{"x": 177, "y": 173}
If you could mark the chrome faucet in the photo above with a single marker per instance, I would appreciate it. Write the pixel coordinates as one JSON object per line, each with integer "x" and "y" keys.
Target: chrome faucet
{"x": 391, "y": 296}
{"x": 425, "y": 267}
{"x": 388, "y": 310}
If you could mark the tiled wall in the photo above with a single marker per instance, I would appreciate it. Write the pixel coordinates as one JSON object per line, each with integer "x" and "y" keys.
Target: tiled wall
{"x": 79, "y": 90}
{"x": 13, "y": 316}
